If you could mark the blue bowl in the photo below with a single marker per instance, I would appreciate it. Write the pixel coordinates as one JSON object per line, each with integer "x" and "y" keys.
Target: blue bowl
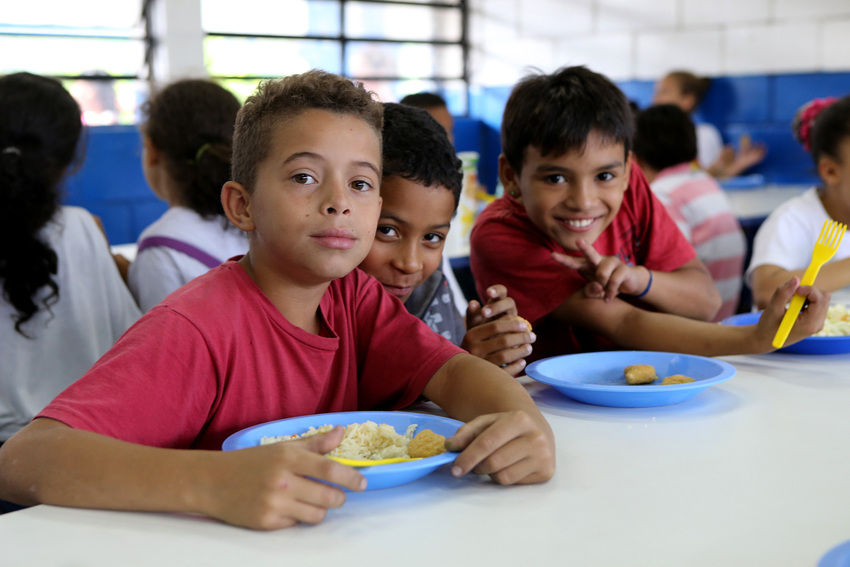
{"x": 838, "y": 556}
{"x": 381, "y": 476}
{"x": 809, "y": 345}
{"x": 597, "y": 377}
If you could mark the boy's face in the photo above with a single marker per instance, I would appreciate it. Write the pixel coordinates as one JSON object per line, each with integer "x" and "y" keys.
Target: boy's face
{"x": 571, "y": 196}
{"x": 315, "y": 204}
{"x": 412, "y": 230}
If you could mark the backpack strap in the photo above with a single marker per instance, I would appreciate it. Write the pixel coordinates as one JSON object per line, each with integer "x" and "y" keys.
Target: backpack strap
{"x": 184, "y": 247}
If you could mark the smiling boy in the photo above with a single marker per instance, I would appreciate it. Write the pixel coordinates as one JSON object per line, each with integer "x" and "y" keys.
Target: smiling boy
{"x": 291, "y": 328}
{"x": 420, "y": 188}
{"x": 590, "y": 256}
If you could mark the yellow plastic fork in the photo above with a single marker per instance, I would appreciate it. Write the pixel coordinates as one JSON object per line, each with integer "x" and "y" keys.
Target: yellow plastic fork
{"x": 372, "y": 463}
{"x": 825, "y": 247}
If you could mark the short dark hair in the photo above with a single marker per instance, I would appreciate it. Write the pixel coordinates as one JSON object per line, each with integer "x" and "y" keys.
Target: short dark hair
{"x": 665, "y": 136}
{"x": 417, "y": 148}
{"x": 277, "y": 100}
{"x": 424, "y": 100}
{"x": 556, "y": 113}
{"x": 191, "y": 122}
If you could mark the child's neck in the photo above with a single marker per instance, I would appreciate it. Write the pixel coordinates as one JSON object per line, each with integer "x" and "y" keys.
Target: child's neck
{"x": 837, "y": 207}
{"x": 298, "y": 304}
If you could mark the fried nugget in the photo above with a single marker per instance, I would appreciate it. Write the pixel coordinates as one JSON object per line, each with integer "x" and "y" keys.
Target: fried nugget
{"x": 677, "y": 379}
{"x": 640, "y": 374}
{"x": 426, "y": 444}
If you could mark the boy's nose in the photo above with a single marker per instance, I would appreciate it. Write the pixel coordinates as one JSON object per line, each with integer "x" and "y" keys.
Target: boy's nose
{"x": 580, "y": 195}
{"x": 337, "y": 199}
{"x": 408, "y": 260}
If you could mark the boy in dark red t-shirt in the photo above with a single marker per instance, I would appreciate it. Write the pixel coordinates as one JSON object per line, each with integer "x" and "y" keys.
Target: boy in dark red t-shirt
{"x": 590, "y": 256}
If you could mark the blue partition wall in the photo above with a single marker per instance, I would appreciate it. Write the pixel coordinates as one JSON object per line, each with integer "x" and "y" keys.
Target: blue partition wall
{"x": 111, "y": 184}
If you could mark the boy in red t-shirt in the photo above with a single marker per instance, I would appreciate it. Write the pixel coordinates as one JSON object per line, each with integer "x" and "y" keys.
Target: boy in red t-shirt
{"x": 589, "y": 255}
{"x": 291, "y": 328}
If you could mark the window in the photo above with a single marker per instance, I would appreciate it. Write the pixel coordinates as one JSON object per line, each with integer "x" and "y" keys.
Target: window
{"x": 394, "y": 47}
{"x": 98, "y": 50}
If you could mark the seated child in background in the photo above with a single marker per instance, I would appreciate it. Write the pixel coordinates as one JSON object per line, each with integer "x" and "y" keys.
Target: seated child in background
{"x": 420, "y": 188}
{"x": 686, "y": 90}
{"x": 590, "y": 256}
{"x": 63, "y": 301}
{"x": 187, "y": 131}
{"x": 784, "y": 242}
{"x": 436, "y": 106}
{"x": 291, "y": 328}
{"x": 665, "y": 147}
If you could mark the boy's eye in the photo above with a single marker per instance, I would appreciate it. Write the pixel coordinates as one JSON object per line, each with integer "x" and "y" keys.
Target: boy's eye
{"x": 605, "y": 176}
{"x": 303, "y": 178}
{"x": 387, "y": 231}
{"x": 555, "y": 178}
{"x": 433, "y": 238}
{"x": 361, "y": 185}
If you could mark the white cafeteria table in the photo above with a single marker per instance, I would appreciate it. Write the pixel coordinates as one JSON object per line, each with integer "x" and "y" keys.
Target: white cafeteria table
{"x": 751, "y": 472}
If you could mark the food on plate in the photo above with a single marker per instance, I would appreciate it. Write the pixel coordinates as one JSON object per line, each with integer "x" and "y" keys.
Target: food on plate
{"x": 426, "y": 444}
{"x": 640, "y": 374}
{"x": 371, "y": 441}
{"x": 677, "y": 379}
{"x": 837, "y": 322}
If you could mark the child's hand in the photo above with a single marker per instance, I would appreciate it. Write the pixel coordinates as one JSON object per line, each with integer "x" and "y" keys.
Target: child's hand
{"x": 496, "y": 334}
{"x": 809, "y": 321}
{"x": 268, "y": 487}
{"x": 607, "y": 276}
{"x": 511, "y": 447}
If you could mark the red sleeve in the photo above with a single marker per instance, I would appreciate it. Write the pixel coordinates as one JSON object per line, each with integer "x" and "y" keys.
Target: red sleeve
{"x": 661, "y": 245}
{"x": 137, "y": 391}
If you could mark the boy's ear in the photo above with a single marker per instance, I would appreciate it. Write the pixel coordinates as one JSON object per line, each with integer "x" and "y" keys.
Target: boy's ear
{"x": 236, "y": 201}
{"x": 509, "y": 177}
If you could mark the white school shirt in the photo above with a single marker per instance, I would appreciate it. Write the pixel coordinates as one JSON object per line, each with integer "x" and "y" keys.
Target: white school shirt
{"x": 788, "y": 235}
{"x": 94, "y": 309}
{"x": 709, "y": 144}
{"x": 159, "y": 270}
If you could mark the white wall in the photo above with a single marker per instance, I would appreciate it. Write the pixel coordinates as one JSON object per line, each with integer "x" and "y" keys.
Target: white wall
{"x": 643, "y": 39}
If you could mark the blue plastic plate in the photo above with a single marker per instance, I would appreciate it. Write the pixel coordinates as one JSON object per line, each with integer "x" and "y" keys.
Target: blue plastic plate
{"x": 838, "y": 556}
{"x": 597, "y": 377}
{"x": 810, "y": 345}
{"x": 382, "y": 476}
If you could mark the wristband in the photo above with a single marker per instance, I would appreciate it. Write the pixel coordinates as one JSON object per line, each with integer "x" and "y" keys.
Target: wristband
{"x": 648, "y": 285}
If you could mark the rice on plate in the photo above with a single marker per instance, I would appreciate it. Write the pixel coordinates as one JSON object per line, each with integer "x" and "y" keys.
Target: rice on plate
{"x": 364, "y": 441}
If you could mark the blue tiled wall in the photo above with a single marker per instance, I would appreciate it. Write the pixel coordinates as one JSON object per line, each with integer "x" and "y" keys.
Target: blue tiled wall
{"x": 111, "y": 183}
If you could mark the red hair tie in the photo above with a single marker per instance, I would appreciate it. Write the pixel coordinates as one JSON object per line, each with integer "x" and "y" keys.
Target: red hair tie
{"x": 805, "y": 117}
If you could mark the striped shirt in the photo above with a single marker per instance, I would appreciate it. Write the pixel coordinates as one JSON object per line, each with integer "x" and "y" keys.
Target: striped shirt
{"x": 700, "y": 208}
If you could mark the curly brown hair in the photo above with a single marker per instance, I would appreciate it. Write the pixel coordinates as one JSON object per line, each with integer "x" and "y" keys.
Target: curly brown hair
{"x": 277, "y": 100}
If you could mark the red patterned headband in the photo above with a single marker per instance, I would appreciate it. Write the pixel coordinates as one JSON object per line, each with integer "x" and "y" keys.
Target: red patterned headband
{"x": 805, "y": 118}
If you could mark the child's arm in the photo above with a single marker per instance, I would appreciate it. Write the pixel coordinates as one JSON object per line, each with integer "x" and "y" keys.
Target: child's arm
{"x": 688, "y": 291}
{"x": 506, "y": 436}
{"x": 766, "y": 278}
{"x": 262, "y": 487}
{"x": 635, "y": 328}
{"x": 495, "y": 332}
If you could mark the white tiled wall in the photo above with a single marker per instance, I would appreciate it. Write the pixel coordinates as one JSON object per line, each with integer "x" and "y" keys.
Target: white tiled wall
{"x": 643, "y": 39}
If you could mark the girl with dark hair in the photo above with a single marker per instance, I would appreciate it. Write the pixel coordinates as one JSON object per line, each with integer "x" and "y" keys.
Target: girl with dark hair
{"x": 63, "y": 300}
{"x": 783, "y": 244}
{"x": 187, "y": 132}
